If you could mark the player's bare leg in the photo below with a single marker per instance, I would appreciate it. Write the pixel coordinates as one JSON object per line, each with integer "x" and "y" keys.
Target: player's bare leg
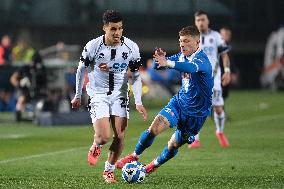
{"x": 159, "y": 125}
{"x": 20, "y": 107}
{"x": 101, "y": 137}
{"x": 219, "y": 118}
{"x": 119, "y": 125}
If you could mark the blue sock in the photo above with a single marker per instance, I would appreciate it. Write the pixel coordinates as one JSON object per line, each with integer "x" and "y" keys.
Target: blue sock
{"x": 145, "y": 140}
{"x": 166, "y": 155}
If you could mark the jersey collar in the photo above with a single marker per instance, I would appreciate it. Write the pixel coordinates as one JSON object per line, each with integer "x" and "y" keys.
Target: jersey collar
{"x": 192, "y": 55}
{"x": 121, "y": 40}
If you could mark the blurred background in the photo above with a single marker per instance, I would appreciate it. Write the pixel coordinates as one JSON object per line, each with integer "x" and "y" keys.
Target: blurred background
{"x": 41, "y": 42}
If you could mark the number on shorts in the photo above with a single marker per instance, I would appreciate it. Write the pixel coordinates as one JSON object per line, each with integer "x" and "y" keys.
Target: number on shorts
{"x": 124, "y": 103}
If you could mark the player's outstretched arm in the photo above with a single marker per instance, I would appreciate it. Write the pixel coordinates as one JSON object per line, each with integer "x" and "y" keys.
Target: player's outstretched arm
{"x": 188, "y": 67}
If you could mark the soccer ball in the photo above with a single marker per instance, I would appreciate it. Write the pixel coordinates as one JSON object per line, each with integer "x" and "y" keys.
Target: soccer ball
{"x": 133, "y": 172}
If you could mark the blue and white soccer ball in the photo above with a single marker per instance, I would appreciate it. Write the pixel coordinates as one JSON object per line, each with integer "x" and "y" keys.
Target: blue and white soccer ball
{"x": 133, "y": 172}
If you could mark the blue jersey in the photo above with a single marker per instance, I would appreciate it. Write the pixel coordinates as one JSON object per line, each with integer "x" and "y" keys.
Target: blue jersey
{"x": 195, "y": 95}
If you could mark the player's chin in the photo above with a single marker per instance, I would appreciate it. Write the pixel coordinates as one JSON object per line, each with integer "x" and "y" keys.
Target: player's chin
{"x": 116, "y": 39}
{"x": 184, "y": 52}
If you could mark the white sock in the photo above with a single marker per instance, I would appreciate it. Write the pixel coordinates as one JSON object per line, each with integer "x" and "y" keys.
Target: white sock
{"x": 156, "y": 162}
{"x": 109, "y": 167}
{"x": 219, "y": 121}
{"x": 196, "y": 137}
{"x": 134, "y": 154}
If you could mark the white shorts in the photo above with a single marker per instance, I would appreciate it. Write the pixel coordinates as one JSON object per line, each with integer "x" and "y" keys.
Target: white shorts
{"x": 217, "y": 98}
{"x": 103, "y": 105}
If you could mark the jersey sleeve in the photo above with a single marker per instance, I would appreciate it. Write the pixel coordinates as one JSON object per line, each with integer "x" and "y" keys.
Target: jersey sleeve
{"x": 134, "y": 63}
{"x": 86, "y": 57}
{"x": 197, "y": 64}
{"x": 222, "y": 46}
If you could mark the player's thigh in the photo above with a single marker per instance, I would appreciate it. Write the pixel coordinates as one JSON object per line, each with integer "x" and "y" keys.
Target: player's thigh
{"x": 102, "y": 128}
{"x": 218, "y": 109}
{"x": 98, "y": 107}
{"x": 120, "y": 105}
{"x": 167, "y": 118}
{"x": 159, "y": 125}
{"x": 119, "y": 125}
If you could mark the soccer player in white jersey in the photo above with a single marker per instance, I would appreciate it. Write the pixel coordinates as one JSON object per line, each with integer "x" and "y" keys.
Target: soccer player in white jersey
{"x": 107, "y": 59}
{"x": 214, "y": 46}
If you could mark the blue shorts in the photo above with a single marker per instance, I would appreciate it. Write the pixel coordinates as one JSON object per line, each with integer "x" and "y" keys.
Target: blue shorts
{"x": 186, "y": 126}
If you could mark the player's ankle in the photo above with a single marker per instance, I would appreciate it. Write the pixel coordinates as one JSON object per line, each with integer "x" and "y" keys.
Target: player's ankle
{"x": 135, "y": 155}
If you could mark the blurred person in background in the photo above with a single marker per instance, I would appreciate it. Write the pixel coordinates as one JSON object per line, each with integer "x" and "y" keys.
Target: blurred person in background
{"x": 5, "y": 50}
{"x": 7, "y": 99}
{"x": 213, "y": 45}
{"x": 273, "y": 72}
{"x": 30, "y": 84}
{"x": 23, "y": 52}
{"x": 226, "y": 35}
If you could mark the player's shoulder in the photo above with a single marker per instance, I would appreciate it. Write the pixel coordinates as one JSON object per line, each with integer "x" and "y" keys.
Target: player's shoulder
{"x": 214, "y": 32}
{"x": 129, "y": 43}
{"x": 201, "y": 55}
{"x": 94, "y": 43}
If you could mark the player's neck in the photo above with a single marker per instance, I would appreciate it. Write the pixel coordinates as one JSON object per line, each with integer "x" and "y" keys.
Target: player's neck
{"x": 205, "y": 32}
{"x": 111, "y": 43}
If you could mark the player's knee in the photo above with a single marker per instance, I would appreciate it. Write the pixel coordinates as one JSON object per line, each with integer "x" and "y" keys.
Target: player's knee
{"x": 172, "y": 145}
{"x": 157, "y": 126}
{"x": 153, "y": 130}
{"x": 101, "y": 139}
{"x": 119, "y": 137}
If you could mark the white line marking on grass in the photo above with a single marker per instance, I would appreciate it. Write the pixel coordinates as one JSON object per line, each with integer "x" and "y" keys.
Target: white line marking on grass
{"x": 40, "y": 155}
{"x": 12, "y": 136}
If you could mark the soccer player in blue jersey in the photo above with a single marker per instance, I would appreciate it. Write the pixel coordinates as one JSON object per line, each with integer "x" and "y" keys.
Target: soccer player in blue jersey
{"x": 187, "y": 111}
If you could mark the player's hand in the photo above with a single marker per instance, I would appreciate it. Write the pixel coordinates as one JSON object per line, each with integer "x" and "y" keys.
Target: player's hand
{"x": 160, "y": 57}
{"x": 226, "y": 78}
{"x": 103, "y": 67}
{"x": 142, "y": 110}
{"x": 160, "y": 52}
{"x": 76, "y": 102}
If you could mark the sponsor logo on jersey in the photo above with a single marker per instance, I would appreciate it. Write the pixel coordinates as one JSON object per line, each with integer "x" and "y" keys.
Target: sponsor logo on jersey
{"x": 119, "y": 67}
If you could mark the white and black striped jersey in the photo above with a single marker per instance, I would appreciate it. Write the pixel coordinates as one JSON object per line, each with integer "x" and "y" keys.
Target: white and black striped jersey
{"x": 118, "y": 59}
{"x": 213, "y": 45}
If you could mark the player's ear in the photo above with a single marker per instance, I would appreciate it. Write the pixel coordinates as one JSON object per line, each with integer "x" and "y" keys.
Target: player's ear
{"x": 197, "y": 42}
{"x": 104, "y": 27}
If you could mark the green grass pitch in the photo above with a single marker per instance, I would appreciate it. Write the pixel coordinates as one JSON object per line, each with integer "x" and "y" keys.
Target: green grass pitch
{"x": 55, "y": 157}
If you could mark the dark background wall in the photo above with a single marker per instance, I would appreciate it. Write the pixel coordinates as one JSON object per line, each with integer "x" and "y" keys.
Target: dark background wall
{"x": 150, "y": 23}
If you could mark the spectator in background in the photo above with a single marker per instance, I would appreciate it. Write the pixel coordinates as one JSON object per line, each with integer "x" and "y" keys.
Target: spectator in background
{"x": 226, "y": 34}
{"x": 23, "y": 52}
{"x": 5, "y": 50}
{"x": 273, "y": 72}
{"x": 30, "y": 83}
{"x": 167, "y": 78}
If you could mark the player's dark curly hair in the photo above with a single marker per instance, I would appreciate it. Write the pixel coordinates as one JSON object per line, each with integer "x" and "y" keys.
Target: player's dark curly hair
{"x": 189, "y": 30}
{"x": 111, "y": 16}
